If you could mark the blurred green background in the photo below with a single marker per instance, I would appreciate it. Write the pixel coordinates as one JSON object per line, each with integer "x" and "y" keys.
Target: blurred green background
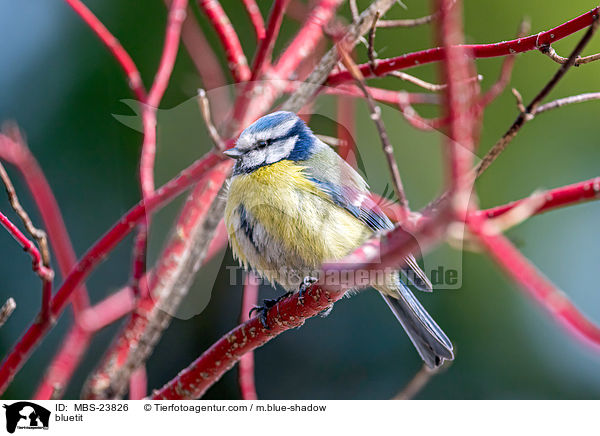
{"x": 62, "y": 87}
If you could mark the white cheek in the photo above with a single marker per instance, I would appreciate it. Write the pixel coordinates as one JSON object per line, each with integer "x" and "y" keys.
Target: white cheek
{"x": 254, "y": 158}
{"x": 280, "y": 150}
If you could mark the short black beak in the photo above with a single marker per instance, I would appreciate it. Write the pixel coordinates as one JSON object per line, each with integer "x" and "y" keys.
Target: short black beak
{"x": 233, "y": 153}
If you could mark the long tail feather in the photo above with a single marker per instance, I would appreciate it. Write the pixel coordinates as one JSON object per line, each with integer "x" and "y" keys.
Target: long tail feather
{"x": 416, "y": 275}
{"x": 428, "y": 338}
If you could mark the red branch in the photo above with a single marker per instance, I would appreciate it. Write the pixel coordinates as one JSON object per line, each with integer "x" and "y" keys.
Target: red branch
{"x": 299, "y": 49}
{"x": 138, "y": 384}
{"x": 115, "y": 47}
{"x": 206, "y": 62}
{"x": 265, "y": 48}
{"x": 246, "y": 364}
{"x": 238, "y": 65}
{"x": 64, "y": 363}
{"x": 563, "y": 196}
{"x": 462, "y": 109}
{"x": 460, "y": 96}
{"x": 505, "y": 48}
{"x": 531, "y": 280}
{"x": 194, "y": 212}
{"x": 30, "y": 248}
{"x": 554, "y": 198}
{"x": 78, "y": 339}
{"x": 256, "y": 18}
{"x": 15, "y": 151}
{"x": 161, "y": 80}
{"x": 95, "y": 255}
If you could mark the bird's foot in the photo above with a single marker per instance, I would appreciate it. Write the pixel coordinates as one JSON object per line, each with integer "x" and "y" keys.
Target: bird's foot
{"x": 264, "y": 309}
{"x": 306, "y": 283}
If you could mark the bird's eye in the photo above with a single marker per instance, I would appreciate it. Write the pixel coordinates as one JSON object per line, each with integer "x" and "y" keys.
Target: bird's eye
{"x": 262, "y": 144}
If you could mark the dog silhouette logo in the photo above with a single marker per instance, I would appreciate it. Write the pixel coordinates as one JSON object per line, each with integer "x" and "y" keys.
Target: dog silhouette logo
{"x": 26, "y": 415}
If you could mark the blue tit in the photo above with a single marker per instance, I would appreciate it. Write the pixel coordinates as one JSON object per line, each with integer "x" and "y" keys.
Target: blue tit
{"x": 293, "y": 203}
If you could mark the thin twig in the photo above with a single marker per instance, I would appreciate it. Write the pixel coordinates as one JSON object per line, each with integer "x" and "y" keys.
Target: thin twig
{"x": 41, "y": 264}
{"x": 411, "y": 22}
{"x": 6, "y": 310}
{"x": 401, "y": 75}
{"x": 419, "y": 82}
{"x": 37, "y": 234}
{"x": 212, "y": 129}
{"x": 568, "y": 100}
{"x": 549, "y": 51}
{"x": 390, "y": 251}
{"x": 531, "y": 108}
{"x": 519, "y": 99}
{"x": 14, "y": 149}
{"x": 416, "y": 384}
{"x": 354, "y": 10}
{"x": 414, "y": 22}
{"x": 371, "y": 41}
{"x": 376, "y": 117}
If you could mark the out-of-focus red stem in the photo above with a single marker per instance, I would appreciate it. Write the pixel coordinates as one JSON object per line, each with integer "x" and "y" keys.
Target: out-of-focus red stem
{"x": 382, "y": 95}
{"x": 307, "y": 38}
{"x": 206, "y": 62}
{"x": 78, "y": 339}
{"x": 161, "y": 80}
{"x": 219, "y": 241}
{"x": 246, "y": 364}
{"x": 109, "y": 310}
{"x": 533, "y": 281}
{"x": 256, "y": 18}
{"x": 503, "y": 48}
{"x": 265, "y": 47}
{"x": 133, "y": 75}
{"x": 301, "y": 47}
{"x": 64, "y": 363}
{"x": 553, "y": 198}
{"x": 346, "y": 119}
{"x": 138, "y": 384}
{"x": 194, "y": 212}
{"x": 236, "y": 59}
{"x": 94, "y": 256}
{"x": 497, "y": 88}
{"x": 16, "y": 152}
{"x": 460, "y": 95}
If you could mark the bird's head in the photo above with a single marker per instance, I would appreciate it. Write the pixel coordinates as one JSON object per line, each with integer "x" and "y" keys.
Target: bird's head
{"x": 270, "y": 139}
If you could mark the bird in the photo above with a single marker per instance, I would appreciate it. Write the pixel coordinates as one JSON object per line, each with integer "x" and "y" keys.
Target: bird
{"x": 293, "y": 203}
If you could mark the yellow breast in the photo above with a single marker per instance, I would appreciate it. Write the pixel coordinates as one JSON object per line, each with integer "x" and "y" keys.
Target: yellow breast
{"x": 298, "y": 223}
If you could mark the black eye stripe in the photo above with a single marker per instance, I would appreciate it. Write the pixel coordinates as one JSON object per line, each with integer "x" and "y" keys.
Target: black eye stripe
{"x": 262, "y": 144}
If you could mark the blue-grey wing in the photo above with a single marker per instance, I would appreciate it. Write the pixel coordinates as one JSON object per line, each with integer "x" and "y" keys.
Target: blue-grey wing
{"x": 346, "y": 188}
